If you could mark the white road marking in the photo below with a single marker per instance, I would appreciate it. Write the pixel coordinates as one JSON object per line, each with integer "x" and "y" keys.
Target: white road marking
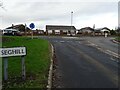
{"x": 71, "y": 37}
{"x": 113, "y": 59}
{"x": 105, "y": 51}
{"x": 55, "y": 41}
{"x": 62, "y": 41}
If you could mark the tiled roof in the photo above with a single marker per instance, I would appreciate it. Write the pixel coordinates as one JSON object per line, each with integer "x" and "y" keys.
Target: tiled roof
{"x": 59, "y": 27}
{"x": 87, "y": 28}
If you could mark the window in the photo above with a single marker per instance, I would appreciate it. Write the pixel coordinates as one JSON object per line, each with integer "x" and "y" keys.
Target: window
{"x": 57, "y": 31}
{"x": 50, "y": 31}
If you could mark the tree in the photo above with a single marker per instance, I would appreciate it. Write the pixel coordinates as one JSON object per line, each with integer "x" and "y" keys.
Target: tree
{"x": 113, "y": 32}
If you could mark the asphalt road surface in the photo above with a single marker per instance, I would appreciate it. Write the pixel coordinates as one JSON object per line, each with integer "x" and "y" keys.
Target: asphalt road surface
{"x": 105, "y": 43}
{"x": 80, "y": 63}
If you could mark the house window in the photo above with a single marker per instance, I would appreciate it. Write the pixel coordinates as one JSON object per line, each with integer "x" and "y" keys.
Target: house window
{"x": 57, "y": 31}
{"x": 39, "y": 32}
{"x": 50, "y": 31}
{"x": 65, "y": 31}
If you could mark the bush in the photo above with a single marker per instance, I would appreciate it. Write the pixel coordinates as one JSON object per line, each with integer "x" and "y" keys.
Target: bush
{"x": 113, "y": 32}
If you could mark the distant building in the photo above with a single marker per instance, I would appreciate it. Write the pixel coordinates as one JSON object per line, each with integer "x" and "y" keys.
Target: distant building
{"x": 11, "y": 32}
{"x": 38, "y": 32}
{"x": 60, "y": 30}
{"x": 19, "y": 27}
{"x": 102, "y": 31}
{"x": 85, "y": 31}
{"x": 25, "y": 30}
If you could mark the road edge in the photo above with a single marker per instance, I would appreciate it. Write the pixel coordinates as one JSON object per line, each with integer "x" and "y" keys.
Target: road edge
{"x": 49, "y": 85}
{"x": 115, "y": 41}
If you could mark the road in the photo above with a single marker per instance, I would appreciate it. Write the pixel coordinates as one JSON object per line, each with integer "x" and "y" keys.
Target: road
{"x": 81, "y": 64}
{"x": 105, "y": 43}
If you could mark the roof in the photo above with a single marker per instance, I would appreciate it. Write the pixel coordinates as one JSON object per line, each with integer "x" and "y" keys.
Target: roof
{"x": 97, "y": 31}
{"x": 87, "y": 28}
{"x": 102, "y": 28}
{"x": 10, "y": 29}
{"x": 19, "y": 27}
{"x": 59, "y": 27}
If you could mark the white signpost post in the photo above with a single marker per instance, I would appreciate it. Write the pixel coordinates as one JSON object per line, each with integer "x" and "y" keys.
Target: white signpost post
{"x": 9, "y": 52}
{"x": 32, "y": 25}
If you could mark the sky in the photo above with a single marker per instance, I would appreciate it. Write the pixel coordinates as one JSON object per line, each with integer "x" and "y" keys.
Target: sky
{"x": 86, "y": 13}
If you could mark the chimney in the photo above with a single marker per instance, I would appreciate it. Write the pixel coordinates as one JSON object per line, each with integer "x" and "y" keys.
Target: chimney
{"x": 12, "y": 25}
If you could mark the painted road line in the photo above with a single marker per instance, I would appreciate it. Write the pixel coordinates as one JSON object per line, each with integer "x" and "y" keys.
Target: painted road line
{"x": 105, "y": 51}
{"x": 113, "y": 59}
{"x": 112, "y": 52}
{"x": 71, "y": 37}
{"x": 62, "y": 41}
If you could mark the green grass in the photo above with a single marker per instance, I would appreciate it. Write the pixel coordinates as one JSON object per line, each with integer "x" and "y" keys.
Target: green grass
{"x": 37, "y": 63}
{"x": 117, "y": 38}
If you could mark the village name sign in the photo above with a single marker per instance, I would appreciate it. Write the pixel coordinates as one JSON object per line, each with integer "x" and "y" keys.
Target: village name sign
{"x": 10, "y": 52}
{"x": 17, "y": 51}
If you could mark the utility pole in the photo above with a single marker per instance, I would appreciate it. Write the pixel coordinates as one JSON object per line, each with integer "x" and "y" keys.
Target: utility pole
{"x": 71, "y": 20}
{"x": 94, "y": 30}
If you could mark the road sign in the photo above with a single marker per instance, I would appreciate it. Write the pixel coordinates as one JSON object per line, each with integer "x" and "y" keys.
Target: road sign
{"x": 16, "y": 51}
{"x": 32, "y": 25}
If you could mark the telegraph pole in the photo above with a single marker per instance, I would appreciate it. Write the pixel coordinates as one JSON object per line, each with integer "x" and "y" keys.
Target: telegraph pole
{"x": 94, "y": 30}
{"x": 71, "y": 20}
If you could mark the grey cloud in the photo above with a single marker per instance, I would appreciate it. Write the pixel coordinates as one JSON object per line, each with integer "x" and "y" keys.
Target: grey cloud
{"x": 56, "y": 12}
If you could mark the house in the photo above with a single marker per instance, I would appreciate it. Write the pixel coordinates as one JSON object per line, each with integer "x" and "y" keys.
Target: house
{"x": 85, "y": 31}
{"x": 78, "y": 31}
{"x": 13, "y": 32}
{"x": 102, "y": 31}
{"x": 60, "y": 30}
{"x": 38, "y": 32}
{"x": 21, "y": 28}
{"x": 25, "y": 30}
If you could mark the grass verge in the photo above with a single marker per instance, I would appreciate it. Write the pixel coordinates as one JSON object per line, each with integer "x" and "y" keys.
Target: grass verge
{"x": 117, "y": 39}
{"x": 37, "y": 63}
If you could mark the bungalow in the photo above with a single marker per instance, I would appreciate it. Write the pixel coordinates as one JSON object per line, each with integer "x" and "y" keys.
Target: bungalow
{"x": 60, "y": 30}
{"x": 85, "y": 31}
{"x": 38, "y": 32}
{"x": 102, "y": 31}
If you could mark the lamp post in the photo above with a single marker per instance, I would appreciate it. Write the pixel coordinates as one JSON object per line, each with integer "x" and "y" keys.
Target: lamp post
{"x": 71, "y": 17}
{"x": 94, "y": 30}
{"x": 71, "y": 21}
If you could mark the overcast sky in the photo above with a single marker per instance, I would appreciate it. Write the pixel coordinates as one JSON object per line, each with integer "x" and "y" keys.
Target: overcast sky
{"x": 58, "y": 12}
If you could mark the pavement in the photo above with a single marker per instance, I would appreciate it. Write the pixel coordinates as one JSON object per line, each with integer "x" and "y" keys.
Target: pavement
{"x": 84, "y": 62}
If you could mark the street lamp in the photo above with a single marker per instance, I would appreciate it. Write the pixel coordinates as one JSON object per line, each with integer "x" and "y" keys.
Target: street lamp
{"x": 71, "y": 21}
{"x": 71, "y": 17}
